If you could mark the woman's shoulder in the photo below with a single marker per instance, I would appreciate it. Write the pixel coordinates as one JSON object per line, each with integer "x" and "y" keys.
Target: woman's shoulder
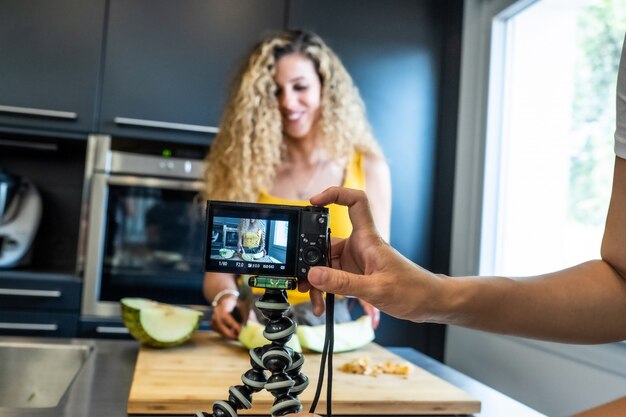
{"x": 377, "y": 174}
{"x": 373, "y": 164}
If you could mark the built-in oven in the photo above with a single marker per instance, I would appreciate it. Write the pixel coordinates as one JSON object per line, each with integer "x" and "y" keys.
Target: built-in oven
{"x": 144, "y": 224}
{"x": 231, "y": 236}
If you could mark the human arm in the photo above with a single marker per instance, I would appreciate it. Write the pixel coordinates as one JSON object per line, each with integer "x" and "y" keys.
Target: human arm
{"x": 222, "y": 320}
{"x": 582, "y": 304}
{"x": 240, "y": 232}
{"x": 378, "y": 189}
{"x": 262, "y": 240}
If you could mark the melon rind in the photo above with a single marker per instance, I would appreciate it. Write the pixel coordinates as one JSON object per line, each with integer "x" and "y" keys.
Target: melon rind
{"x": 348, "y": 336}
{"x": 157, "y": 324}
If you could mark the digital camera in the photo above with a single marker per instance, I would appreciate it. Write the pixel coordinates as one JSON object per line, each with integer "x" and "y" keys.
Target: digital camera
{"x": 264, "y": 239}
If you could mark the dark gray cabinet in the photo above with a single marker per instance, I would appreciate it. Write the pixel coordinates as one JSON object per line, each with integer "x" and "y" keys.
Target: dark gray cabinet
{"x": 49, "y": 63}
{"x": 39, "y": 304}
{"x": 168, "y": 63}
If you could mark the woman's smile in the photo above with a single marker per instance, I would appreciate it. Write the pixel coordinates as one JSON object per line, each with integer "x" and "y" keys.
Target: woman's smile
{"x": 299, "y": 95}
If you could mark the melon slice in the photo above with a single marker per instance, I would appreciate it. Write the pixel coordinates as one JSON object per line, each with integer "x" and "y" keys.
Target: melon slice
{"x": 348, "y": 336}
{"x": 251, "y": 336}
{"x": 157, "y": 324}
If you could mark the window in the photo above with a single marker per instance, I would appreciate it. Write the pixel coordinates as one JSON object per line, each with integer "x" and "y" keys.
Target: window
{"x": 549, "y": 150}
{"x": 280, "y": 233}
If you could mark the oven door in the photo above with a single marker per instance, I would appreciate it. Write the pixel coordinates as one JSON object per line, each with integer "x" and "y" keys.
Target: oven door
{"x": 231, "y": 237}
{"x": 145, "y": 239}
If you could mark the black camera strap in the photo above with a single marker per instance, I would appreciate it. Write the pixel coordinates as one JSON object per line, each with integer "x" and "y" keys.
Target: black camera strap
{"x": 327, "y": 350}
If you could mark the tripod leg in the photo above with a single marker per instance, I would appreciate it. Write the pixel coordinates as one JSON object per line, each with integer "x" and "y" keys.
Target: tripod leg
{"x": 278, "y": 358}
{"x": 286, "y": 381}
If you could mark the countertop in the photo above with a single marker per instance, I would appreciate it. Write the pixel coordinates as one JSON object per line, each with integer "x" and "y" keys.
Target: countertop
{"x": 101, "y": 388}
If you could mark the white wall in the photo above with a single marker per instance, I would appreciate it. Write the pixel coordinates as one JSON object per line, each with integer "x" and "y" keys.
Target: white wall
{"x": 555, "y": 379}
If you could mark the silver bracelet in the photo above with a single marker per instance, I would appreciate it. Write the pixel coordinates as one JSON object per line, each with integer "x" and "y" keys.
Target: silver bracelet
{"x": 219, "y": 295}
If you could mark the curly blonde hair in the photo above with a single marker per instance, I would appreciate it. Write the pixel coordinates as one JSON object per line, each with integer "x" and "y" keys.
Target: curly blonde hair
{"x": 249, "y": 146}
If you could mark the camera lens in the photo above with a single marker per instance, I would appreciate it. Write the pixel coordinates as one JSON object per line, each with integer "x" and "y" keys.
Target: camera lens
{"x": 311, "y": 255}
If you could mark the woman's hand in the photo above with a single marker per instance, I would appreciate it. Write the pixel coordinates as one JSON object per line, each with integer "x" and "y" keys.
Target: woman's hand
{"x": 223, "y": 321}
{"x": 371, "y": 311}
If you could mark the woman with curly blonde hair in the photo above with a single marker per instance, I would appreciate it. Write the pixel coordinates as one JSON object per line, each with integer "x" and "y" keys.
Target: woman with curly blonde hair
{"x": 294, "y": 125}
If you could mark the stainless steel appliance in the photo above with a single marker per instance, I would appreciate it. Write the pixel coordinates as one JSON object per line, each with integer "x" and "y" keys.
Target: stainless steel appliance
{"x": 144, "y": 223}
{"x": 20, "y": 215}
{"x": 231, "y": 236}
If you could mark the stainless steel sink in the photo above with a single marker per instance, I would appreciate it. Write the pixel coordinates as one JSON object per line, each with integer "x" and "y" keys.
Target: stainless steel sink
{"x": 36, "y": 375}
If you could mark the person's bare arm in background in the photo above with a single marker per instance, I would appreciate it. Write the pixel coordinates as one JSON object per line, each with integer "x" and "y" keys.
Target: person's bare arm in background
{"x": 222, "y": 321}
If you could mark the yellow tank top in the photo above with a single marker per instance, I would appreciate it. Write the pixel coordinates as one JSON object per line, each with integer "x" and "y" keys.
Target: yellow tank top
{"x": 252, "y": 239}
{"x": 340, "y": 225}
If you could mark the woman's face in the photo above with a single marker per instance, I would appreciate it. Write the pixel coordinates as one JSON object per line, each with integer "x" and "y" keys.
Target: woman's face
{"x": 298, "y": 90}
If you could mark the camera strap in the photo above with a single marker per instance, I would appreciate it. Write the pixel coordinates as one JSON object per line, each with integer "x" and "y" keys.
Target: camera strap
{"x": 327, "y": 350}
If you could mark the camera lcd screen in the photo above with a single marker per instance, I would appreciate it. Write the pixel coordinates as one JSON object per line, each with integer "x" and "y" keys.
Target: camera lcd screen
{"x": 254, "y": 239}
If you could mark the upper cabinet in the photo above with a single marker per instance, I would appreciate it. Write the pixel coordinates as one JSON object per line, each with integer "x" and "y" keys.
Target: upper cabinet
{"x": 49, "y": 62}
{"x": 168, "y": 64}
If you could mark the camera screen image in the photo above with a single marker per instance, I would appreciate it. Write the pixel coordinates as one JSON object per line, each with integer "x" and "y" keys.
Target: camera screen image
{"x": 251, "y": 239}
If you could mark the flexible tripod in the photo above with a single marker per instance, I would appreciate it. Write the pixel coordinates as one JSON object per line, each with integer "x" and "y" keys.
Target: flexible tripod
{"x": 286, "y": 381}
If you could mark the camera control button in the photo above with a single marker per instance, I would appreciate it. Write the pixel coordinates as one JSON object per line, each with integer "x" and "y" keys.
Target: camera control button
{"x": 312, "y": 255}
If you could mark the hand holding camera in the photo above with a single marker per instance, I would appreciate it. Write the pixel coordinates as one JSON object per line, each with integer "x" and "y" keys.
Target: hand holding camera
{"x": 367, "y": 267}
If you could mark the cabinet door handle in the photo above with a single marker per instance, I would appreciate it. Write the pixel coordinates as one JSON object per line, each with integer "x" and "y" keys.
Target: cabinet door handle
{"x": 29, "y": 111}
{"x": 111, "y": 330}
{"x": 164, "y": 125}
{"x": 29, "y": 326}
{"x": 30, "y": 293}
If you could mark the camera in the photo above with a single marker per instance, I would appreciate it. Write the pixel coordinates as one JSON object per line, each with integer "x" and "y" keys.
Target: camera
{"x": 265, "y": 239}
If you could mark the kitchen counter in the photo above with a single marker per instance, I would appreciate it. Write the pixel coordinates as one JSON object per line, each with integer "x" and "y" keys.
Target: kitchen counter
{"x": 101, "y": 387}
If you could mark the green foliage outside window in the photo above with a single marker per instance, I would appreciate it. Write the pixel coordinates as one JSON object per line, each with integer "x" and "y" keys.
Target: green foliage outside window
{"x": 601, "y": 28}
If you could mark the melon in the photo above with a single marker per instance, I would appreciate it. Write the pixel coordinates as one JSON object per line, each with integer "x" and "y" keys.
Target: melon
{"x": 226, "y": 253}
{"x": 348, "y": 336}
{"x": 158, "y": 324}
{"x": 251, "y": 336}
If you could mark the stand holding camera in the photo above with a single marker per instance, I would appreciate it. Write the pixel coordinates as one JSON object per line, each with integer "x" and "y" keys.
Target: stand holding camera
{"x": 309, "y": 246}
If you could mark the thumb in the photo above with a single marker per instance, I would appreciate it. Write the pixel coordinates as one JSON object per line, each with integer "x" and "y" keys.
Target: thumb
{"x": 336, "y": 281}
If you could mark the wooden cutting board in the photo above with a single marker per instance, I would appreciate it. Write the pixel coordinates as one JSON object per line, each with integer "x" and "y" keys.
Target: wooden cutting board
{"x": 189, "y": 378}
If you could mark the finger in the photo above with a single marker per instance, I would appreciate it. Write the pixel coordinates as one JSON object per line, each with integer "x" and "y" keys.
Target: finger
{"x": 317, "y": 302}
{"x": 375, "y": 319}
{"x": 232, "y": 328}
{"x": 224, "y": 330}
{"x": 338, "y": 282}
{"x": 372, "y": 312}
{"x": 337, "y": 249}
{"x": 356, "y": 201}
{"x": 219, "y": 327}
{"x": 303, "y": 285}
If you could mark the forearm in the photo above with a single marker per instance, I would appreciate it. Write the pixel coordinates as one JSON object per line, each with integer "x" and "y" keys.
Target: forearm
{"x": 583, "y": 304}
{"x": 614, "y": 240}
{"x": 215, "y": 282}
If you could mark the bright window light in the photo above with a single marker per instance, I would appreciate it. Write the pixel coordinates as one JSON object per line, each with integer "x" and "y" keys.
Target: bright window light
{"x": 549, "y": 157}
{"x": 280, "y": 233}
